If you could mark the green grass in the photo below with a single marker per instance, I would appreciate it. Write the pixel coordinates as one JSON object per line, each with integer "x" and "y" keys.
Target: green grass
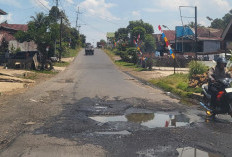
{"x": 31, "y": 76}
{"x": 71, "y": 53}
{"x": 122, "y": 63}
{"x": 61, "y": 64}
{"x": 129, "y": 65}
{"x": 176, "y": 83}
{"x": 51, "y": 72}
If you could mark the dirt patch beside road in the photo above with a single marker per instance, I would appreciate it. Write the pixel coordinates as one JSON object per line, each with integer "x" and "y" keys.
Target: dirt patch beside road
{"x": 14, "y": 81}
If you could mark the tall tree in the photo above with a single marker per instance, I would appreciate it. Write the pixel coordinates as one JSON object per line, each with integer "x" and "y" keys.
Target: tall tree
{"x": 149, "y": 44}
{"x": 223, "y": 22}
{"x": 122, "y": 34}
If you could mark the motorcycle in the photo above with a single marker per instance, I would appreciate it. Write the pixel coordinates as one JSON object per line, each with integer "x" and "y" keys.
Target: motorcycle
{"x": 223, "y": 104}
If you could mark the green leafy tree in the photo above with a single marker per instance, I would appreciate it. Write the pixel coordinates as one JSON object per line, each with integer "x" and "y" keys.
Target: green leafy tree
{"x": 217, "y": 23}
{"x": 148, "y": 28}
{"x": 41, "y": 32}
{"x": 133, "y": 52}
{"x": 134, "y": 28}
{"x": 149, "y": 43}
{"x": 74, "y": 39}
{"x": 103, "y": 42}
{"x": 83, "y": 39}
{"x": 223, "y": 22}
{"x": 138, "y": 31}
{"x": 54, "y": 14}
{"x": 121, "y": 34}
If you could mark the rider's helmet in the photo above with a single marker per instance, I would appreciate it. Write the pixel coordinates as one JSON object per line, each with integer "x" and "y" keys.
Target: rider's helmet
{"x": 221, "y": 60}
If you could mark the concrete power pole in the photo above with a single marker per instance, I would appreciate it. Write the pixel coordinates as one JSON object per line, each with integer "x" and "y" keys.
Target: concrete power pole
{"x": 196, "y": 45}
{"x": 78, "y": 26}
{"x": 57, "y": 4}
{"x": 60, "y": 39}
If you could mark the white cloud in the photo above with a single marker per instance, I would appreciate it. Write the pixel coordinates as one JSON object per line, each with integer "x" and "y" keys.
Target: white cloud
{"x": 209, "y": 5}
{"x": 99, "y": 8}
{"x": 69, "y": 1}
{"x": 7, "y": 17}
{"x": 152, "y": 10}
{"x": 136, "y": 14}
{"x": 14, "y": 3}
{"x": 41, "y": 3}
{"x": 221, "y": 4}
{"x": 172, "y": 4}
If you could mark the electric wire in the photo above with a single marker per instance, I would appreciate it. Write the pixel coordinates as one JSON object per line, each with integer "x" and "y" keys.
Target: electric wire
{"x": 43, "y": 5}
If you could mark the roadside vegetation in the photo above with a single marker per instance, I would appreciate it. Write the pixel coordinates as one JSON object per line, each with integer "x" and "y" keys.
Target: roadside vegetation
{"x": 45, "y": 30}
{"x": 122, "y": 63}
{"x": 134, "y": 45}
{"x": 61, "y": 64}
{"x": 180, "y": 84}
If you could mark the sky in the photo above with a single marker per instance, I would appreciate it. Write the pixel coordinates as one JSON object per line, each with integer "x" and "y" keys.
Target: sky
{"x": 97, "y": 17}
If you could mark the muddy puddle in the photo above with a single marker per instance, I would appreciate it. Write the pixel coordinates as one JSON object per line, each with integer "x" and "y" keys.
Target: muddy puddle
{"x": 124, "y": 132}
{"x": 150, "y": 120}
{"x": 193, "y": 152}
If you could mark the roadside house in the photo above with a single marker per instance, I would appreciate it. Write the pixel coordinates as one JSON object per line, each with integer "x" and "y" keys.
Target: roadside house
{"x": 208, "y": 39}
{"x": 7, "y": 32}
{"x": 2, "y": 12}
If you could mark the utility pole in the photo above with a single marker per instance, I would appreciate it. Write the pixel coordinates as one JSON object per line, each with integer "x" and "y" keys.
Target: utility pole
{"x": 78, "y": 26}
{"x": 61, "y": 20}
{"x": 196, "y": 32}
{"x": 57, "y": 5}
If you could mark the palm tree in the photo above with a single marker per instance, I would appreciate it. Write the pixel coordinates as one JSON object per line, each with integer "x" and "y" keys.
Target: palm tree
{"x": 40, "y": 19}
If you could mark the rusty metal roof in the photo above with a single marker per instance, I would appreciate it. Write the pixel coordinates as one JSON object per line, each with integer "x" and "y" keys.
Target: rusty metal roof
{"x": 17, "y": 27}
{"x": 2, "y": 12}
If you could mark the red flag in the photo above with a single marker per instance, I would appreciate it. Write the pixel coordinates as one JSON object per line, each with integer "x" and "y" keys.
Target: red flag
{"x": 135, "y": 43}
{"x": 159, "y": 27}
{"x": 138, "y": 38}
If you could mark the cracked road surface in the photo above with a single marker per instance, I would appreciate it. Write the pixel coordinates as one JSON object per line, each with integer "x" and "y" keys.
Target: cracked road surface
{"x": 93, "y": 109}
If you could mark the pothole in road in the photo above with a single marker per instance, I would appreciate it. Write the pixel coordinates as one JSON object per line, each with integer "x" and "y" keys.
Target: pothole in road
{"x": 124, "y": 132}
{"x": 161, "y": 151}
{"x": 150, "y": 120}
{"x": 189, "y": 151}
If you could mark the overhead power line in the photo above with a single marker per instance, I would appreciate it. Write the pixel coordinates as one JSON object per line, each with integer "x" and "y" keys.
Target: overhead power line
{"x": 43, "y": 5}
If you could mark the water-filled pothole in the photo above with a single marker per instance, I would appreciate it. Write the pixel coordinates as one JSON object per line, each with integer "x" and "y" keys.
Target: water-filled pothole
{"x": 150, "y": 120}
{"x": 189, "y": 151}
{"x": 124, "y": 132}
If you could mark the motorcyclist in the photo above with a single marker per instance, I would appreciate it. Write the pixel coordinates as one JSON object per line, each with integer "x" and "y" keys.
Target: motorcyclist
{"x": 218, "y": 72}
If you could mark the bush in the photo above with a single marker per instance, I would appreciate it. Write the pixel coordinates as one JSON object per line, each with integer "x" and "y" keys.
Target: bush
{"x": 196, "y": 68}
{"x": 150, "y": 63}
{"x": 168, "y": 61}
{"x": 124, "y": 56}
{"x": 183, "y": 86}
{"x": 116, "y": 52}
{"x": 134, "y": 56}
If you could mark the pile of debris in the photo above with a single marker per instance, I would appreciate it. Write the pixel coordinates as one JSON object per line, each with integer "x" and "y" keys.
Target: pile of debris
{"x": 198, "y": 80}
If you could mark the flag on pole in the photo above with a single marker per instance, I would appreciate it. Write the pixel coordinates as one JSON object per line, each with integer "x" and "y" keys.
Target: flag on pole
{"x": 138, "y": 38}
{"x": 166, "y": 41}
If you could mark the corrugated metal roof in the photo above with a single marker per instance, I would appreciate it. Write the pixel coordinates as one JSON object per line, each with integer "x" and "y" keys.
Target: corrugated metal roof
{"x": 17, "y": 27}
{"x": 2, "y": 12}
{"x": 209, "y": 32}
{"x": 170, "y": 34}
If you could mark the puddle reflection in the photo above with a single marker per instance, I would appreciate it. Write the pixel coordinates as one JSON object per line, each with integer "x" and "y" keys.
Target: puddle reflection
{"x": 193, "y": 152}
{"x": 150, "y": 120}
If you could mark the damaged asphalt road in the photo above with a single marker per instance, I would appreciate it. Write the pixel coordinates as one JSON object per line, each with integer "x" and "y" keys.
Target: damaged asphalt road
{"x": 92, "y": 109}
